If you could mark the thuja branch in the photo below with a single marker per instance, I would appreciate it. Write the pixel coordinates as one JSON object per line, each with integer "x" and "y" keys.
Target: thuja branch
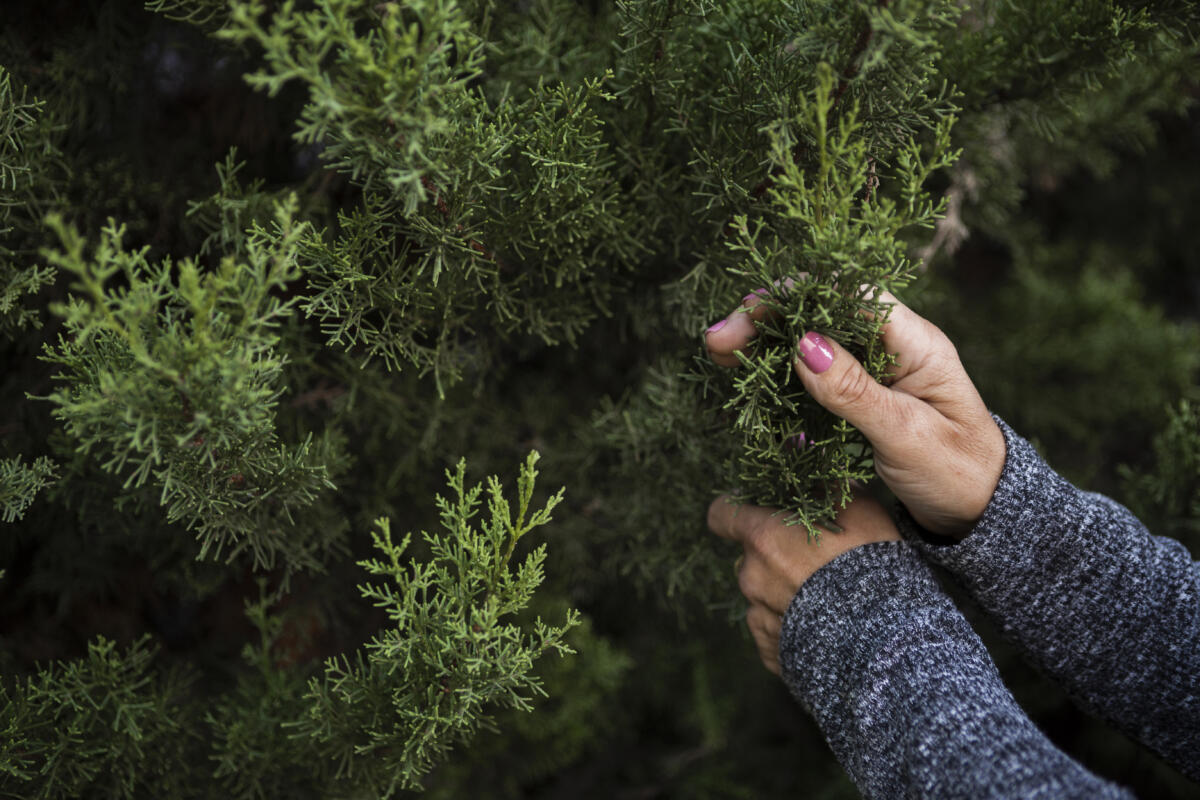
{"x": 444, "y": 210}
{"x": 453, "y": 631}
{"x": 819, "y": 246}
{"x": 852, "y": 64}
{"x": 847, "y": 74}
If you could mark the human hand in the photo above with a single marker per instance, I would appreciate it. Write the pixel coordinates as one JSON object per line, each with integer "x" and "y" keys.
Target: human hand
{"x": 936, "y": 446}
{"x": 778, "y": 558}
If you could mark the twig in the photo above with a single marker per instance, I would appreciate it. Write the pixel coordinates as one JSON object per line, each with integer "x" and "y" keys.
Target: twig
{"x": 323, "y": 393}
{"x": 848, "y": 73}
{"x": 860, "y": 46}
{"x": 444, "y": 210}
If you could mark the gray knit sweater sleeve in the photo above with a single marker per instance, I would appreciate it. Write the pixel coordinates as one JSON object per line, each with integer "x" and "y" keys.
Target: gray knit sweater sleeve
{"x": 905, "y": 693}
{"x": 1100, "y": 605}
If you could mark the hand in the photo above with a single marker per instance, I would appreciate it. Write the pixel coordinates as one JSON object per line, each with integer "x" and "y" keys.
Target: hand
{"x": 778, "y": 558}
{"x": 936, "y": 445}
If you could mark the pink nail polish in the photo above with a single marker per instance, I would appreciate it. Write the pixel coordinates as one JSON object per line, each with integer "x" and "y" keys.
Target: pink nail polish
{"x": 815, "y": 352}
{"x": 751, "y": 296}
{"x": 716, "y": 327}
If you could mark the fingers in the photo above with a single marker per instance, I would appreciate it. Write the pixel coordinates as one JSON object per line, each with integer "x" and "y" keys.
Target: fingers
{"x": 838, "y": 382}
{"x": 737, "y": 522}
{"x": 902, "y": 335}
{"x": 736, "y": 330}
{"x": 777, "y": 560}
{"x": 765, "y": 627}
{"x": 772, "y": 581}
{"x": 914, "y": 340}
{"x": 910, "y": 337}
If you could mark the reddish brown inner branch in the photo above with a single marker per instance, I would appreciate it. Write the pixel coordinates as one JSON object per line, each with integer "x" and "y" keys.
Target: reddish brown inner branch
{"x": 847, "y": 75}
{"x": 444, "y": 210}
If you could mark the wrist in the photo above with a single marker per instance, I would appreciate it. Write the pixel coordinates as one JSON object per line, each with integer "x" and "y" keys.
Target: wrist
{"x": 833, "y": 620}
{"x": 994, "y": 454}
{"x": 968, "y": 477}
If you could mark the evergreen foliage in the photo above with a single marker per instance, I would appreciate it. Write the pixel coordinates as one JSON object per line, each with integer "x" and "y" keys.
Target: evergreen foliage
{"x": 28, "y": 158}
{"x": 841, "y": 243}
{"x": 1052, "y": 307}
{"x": 394, "y": 712}
{"x": 19, "y": 484}
{"x": 439, "y": 229}
{"x": 395, "y": 111}
{"x": 1168, "y": 497}
{"x": 101, "y": 726}
{"x": 179, "y": 380}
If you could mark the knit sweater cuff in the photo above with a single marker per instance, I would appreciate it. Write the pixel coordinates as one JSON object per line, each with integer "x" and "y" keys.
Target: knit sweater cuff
{"x": 1089, "y": 596}
{"x": 1025, "y": 476}
{"x": 905, "y": 693}
{"x": 834, "y": 624}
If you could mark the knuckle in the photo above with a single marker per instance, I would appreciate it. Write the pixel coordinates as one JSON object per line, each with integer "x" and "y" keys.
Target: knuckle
{"x": 853, "y": 387}
{"x": 764, "y": 624}
{"x": 768, "y": 648}
{"x": 750, "y": 583}
{"x": 754, "y": 621}
{"x": 747, "y": 585}
{"x": 950, "y": 350}
{"x": 757, "y": 538}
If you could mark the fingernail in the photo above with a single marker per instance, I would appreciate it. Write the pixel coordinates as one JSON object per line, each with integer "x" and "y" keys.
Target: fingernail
{"x": 815, "y": 352}
{"x": 716, "y": 327}
{"x": 750, "y": 296}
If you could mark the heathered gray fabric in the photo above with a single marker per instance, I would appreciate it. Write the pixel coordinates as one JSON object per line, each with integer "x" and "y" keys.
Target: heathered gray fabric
{"x": 905, "y": 693}
{"x": 1096, "y": 602}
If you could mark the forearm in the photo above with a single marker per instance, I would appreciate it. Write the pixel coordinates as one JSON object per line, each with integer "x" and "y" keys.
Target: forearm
{"x": 905, "y": 692}
{"x": 1091, "y": 597}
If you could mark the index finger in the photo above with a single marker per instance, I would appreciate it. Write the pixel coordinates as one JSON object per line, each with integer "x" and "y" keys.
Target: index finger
{"x": 737, "y": 522}
{"x": 737, "y": 329}
{"x": 906, "y": 335}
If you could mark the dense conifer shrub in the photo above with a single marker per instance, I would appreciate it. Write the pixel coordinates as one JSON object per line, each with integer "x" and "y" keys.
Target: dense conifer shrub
{"x": 281, "y": 282}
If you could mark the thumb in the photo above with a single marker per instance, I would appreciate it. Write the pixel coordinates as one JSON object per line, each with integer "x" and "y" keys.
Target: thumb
{"x": 838, "y": 382}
